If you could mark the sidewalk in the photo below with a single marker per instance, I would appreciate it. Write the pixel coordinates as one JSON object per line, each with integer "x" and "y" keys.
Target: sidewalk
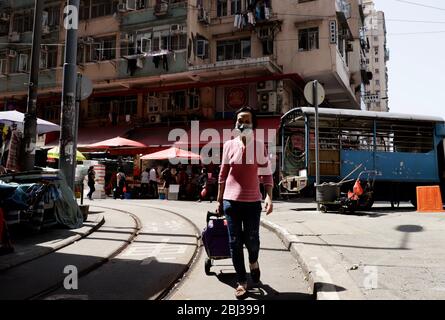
{"x": 380, "y": 254}
{"x": 31, "y": 247}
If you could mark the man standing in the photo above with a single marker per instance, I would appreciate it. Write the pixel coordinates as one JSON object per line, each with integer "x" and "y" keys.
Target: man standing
{"x": 153, "y": 181}
{"x": 91, "y": 182}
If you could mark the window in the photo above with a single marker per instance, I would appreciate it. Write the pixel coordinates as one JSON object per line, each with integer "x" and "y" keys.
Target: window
{"x": 377, "y": 60}
{"x": 376, "y": 38}
{"x": 52, "y": 112}
{"x": 97, "y": 8}
{"x": 221, "y": 8}
{"x": 377, "y": 82}
{"x": 53, "y": 15}
{"x": 235, "y": 7}
{"x": 202, "y": 48}
{"x": 23, "y": 22}
{"x": 99, "y": 49}
{"x": 48, "y": 57}
{"x": 127, "y": 105}
{"x": 377, "y": 71}
{"x": 376, "y": 50}
{"x": 179, "y": 41}
{"x": 233, "y": 49}
{"x": 308, "y": 39}
{"x": 4, "y": 28}
{"x": 178, "y": 100}
{"x": 267, "y": 47}
{"x": 3, "y": 66}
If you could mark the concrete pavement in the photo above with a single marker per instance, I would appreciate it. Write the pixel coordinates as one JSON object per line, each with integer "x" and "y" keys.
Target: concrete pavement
{"x": 31, "y": 247}
{"x": 379, "y": 254}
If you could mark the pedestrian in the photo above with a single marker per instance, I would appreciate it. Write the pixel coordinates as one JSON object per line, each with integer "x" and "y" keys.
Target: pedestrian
{"x": 239, "y": 196}
{"x": 91, "y": 182}
{"x": 120, "y": 183}
{"x": 145, "y": 182}
{"x": 153, "y": 181}
{"x": 202, "y": 181}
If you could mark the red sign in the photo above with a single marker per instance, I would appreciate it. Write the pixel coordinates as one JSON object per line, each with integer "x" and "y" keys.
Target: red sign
{"x": 236, "y": 97}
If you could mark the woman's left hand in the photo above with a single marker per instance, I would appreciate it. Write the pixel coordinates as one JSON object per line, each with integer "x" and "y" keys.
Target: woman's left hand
{"x": 269, "y": 205}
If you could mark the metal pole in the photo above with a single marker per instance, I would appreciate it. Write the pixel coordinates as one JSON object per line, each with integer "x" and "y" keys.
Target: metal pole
{"x": 30, "y": 124}
{"x": 68, "y": 118}
{"x": 317, "y": 159}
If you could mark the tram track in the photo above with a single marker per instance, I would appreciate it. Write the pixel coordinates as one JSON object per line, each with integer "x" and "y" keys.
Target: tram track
{"x": 133, "y": 237}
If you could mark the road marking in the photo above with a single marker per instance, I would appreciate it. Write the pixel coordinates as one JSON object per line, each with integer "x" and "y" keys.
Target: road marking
{"x": 155, "y": 252}
{"x": 327, "y": 290}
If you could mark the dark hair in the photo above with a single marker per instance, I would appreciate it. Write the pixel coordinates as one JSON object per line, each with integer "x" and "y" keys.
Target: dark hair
{"x": 251, "y": 111}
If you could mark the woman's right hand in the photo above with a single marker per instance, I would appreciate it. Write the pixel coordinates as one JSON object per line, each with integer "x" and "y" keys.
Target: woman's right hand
{"x": 219, "y": 209}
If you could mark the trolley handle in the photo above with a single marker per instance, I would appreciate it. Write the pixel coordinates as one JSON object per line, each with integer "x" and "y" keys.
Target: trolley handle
{"x": 211, "y": 215}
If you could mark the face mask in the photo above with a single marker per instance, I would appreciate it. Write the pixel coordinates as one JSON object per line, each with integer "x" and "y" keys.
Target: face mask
{"x": 244, "y": 129}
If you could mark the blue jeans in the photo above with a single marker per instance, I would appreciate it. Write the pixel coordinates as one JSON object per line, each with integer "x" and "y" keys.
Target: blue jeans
{"x": 244, "y": 228}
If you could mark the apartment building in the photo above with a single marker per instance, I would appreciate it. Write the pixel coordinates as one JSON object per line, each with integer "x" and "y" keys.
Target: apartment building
{"x": 376, "y": 92}
{"x": 162, "y": 63}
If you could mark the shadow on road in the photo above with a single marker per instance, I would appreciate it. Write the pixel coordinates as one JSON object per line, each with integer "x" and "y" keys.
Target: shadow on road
{"x": 262, "y": 291}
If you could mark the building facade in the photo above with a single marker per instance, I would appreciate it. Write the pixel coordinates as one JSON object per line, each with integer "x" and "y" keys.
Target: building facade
{"x": 376, "y": 92}
{"x": 163, "y": 63}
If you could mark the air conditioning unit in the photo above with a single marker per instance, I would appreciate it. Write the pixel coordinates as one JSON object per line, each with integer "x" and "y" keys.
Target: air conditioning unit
{"x": 154, "y": 118}
{"x": 204, "y": 16}
{"x": 161, "y": 8}
{"x": 122, "y": 7}
{"x": 273, "y": 102}
{"x": 176, "y": 28}
{"x": 14, "y": 36}
{"x": 267, "y": 102}
{"x": 266, "y": 86}
{"x": 46, "y": 30}
{"x": 12, "y": 53}
{"x": 4, "y": 16}
{"x": 124, "y": 37}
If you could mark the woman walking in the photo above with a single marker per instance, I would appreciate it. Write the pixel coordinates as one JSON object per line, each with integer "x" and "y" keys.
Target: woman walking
{"x": 239, "y": 196}
{"x": 91, "y": 182}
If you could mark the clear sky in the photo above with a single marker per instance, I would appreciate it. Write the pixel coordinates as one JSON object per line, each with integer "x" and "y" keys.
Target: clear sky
{"x": 417, "y": 61}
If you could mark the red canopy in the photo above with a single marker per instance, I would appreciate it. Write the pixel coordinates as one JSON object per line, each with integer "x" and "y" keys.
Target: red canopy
{"x": 116, "y": 143}
{"x": 171, "y": 153}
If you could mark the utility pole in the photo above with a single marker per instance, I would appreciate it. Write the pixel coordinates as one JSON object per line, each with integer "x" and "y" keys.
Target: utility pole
{"x": 317, "y": 147}
{"x": 67, "y": 161}
{"x": 30, "y": 124}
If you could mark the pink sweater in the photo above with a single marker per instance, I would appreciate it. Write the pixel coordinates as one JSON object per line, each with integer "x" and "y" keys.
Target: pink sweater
{"x": 242, "y": 168}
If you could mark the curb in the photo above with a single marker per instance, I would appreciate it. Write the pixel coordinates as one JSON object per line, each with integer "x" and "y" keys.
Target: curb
{"x": 320, "y": 282}
{"x": 60, "y": 245}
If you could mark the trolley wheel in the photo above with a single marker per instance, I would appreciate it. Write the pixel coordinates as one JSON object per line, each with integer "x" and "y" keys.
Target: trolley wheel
{"x": 207, "y": 266}
{"x": 341, "y": 210}
{"x": 324, "y": 209}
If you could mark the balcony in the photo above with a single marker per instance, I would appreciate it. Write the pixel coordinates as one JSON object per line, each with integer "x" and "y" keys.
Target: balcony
{"x": 149, "y": 68}
{"x": 230, "y": 65}
{"x": 147, "y": 16}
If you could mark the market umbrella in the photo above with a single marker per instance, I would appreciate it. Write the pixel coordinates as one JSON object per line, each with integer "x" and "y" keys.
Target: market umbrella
{"x": 171, "y": 153}
{"x": 54, "y": 154}
{"x": 11, "y": 117}
{"x": 117, "y": 142}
